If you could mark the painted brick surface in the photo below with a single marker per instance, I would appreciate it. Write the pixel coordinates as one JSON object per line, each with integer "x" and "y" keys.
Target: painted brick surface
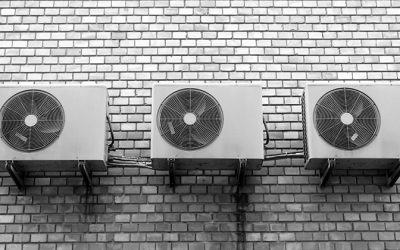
{"x": 129, "y": 45}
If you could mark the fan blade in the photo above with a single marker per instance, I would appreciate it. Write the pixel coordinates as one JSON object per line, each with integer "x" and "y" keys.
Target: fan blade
{"x": 174, "y": 103}
{"x": 371, "y": 124}
{"x": 185, "y": 139}
{"x": 201, "y": 141}
{"x": 205, "y": 132}
{"x": 53, "y": 113}
{"x": 183, "y": 132}
{"x": 338, "y": 101}
{"x": 52, "y": 119}
{"x": 195, "y": 99}
{"x": 19, "y": 137}
{"x": 350, "y": 98}
{"x": 209, "y": 106}
{"x": 38, "y": 140}
{"x": 324, "y": 125}
{"x": 16, "y": 106}
{"x": 212, "y": 113}
{"x": 39, "y": 103}
{"x": 369, "y": 113}
{"x": 330, "y": 105}
{"x": 173, "y": 130}
{"x": 198, "y": 105}
{"x": 331, "y": 132}
{"x": 26, "y": 101}
{"x": 357, "y": 109}
{"x": 168, "y": 113}
{"x": 8, "y": 127}
{"x": 364, "y": 130}
{"x": 340, "y": 137}
{"x": 209, "y": 124}
{"x": 49, "y": 127}
{"x": 11, "y": 115}
{"x": 40, "y": 137}
{"x": 199, "y": 110}
{"x": 324, "y": 113}
{"x": 183, "y": 100}
{"x": 364, "y": 108}
{"x": 358, "y": 134}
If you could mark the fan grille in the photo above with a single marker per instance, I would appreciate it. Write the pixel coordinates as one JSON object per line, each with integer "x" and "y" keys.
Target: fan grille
{"x": 346, "y": 118}
{"x": 31, "y": 120}
{"x": 190, "y": 119}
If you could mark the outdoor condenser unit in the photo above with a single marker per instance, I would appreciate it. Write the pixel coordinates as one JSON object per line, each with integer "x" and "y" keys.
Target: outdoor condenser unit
{"x": 352, "y": 126}
{"x": 53, "y": 127}
{"x": 207, "y": 126}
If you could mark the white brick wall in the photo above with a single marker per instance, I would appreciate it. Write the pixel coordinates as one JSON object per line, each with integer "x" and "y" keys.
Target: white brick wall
{"x": 129, "y": 45}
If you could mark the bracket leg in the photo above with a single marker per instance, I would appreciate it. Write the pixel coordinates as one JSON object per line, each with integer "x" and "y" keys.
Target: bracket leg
{"x": 393, "y": 175}
{"x": 86, "y": 174}
{"x": 326, "y": 172}
{"x": 15, "y": 175}
{"x": 171, "y": 168}
{"x": 240, "y": 172}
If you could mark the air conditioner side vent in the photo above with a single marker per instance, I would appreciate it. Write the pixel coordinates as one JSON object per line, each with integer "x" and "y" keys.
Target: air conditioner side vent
{"x": 304, "y": 125}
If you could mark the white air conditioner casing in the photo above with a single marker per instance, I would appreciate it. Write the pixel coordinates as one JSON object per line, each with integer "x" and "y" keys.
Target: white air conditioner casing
{"x": 241, "y": 136}
{"x": 382, "y": 152}
{"x": 83, "y": 137}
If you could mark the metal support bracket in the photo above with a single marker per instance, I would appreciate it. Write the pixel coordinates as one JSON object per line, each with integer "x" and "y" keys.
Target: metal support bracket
{"x": 15, "y": 174}
{"x": 241, "y": 171}
{"x": 86, "y": 174}
{"x": 326, "y": 172}
{"x": 392, "y": 175}
{"x": 171, "y": 168}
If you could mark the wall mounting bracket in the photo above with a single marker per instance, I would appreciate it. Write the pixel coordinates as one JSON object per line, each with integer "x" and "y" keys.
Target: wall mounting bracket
{"x": 241, "y": 171}
{"x": 393, "y": 174}
{"x": 16, "y": 175}
{"x": 171, "y": 168}
{"x": 325, "y": 172}
{"x": 86, "y": 173}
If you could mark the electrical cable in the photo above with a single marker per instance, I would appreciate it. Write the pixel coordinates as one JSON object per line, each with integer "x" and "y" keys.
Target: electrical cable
{"x": 123, "y": 161}
{"x": 111, "y": 145}
{"x": 267, "y": 133}
{"x": 290, "y": 155}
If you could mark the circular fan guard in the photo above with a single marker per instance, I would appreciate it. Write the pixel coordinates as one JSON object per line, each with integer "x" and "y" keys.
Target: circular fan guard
{"x": 190, "y": 119}
{"x": 346, "y": 118}
{"x": 31, "y": 120}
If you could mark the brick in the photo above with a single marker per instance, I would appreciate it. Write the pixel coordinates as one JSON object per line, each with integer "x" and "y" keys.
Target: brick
{"x": 6, "y": 218}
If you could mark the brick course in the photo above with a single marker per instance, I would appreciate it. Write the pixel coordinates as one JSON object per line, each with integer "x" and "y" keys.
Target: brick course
{"x": 129, "y": 45}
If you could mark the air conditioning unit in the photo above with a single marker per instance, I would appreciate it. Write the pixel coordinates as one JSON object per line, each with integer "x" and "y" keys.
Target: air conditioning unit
{"x": 53, "y": 127}
{"x": 351, "y": 126}
{"x": 207, "y": 126}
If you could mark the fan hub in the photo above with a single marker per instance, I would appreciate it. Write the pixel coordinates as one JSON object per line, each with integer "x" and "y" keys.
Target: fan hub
{"x": 31, "y": 120}
{"x": 347, "y": 118}
{"x": 189, "y": 118}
